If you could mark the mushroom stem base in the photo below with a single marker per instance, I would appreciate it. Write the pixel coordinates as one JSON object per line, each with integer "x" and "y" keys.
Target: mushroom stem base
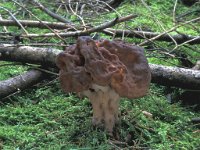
{"x": 105, "y": 104}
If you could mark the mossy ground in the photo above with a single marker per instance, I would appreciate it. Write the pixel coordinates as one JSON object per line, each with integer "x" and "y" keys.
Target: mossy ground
{"x": 45, "y": 118}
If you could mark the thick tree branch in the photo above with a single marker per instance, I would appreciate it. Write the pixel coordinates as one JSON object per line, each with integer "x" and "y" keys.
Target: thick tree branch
{"x": 174, "y": 76}
{"x": 20, "y": 82}
{"x": 171, "y": 76}
{"x": 26, "y": 54}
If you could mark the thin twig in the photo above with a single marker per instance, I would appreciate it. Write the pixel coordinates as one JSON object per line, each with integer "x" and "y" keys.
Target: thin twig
{"x": 86, "y": 32}
{"x": 39, "y": 20}
{"x": 38, "y": 44}
{"x": 82, "y": 20}
{"x": 15, "y": 19}
{"x": 158, "y": 22}
{"x": 11, "y": 64}
{"x": 4, "y": 27}
{"x": 114, "y": 145}
{"x": 50, "y": 13}
{"x": 77, "y": 33}
{"x": 40, "y": 24}
{"x": 127, "y": 18}
{"x": 110, "y": 7}
{"x": 195, "y": 38}
{"x": 188, "y": 13}
{"x": 174, "y": 12}
{"x": 42, "y": 70}
{"x": 170, "y": 30}
{"x": 152, "y": 36}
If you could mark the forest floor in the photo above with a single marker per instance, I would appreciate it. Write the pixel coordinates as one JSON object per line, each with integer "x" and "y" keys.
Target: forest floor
{"x": 43, "y": 117}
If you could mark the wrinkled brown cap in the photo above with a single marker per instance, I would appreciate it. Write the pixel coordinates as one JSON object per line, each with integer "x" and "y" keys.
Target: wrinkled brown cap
{"x": 107, "y": 63}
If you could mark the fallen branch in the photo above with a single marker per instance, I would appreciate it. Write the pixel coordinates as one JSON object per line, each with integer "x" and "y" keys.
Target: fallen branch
{"x": 174, "y": 76}
{"x": 87, "y": 31}
{"x": 170, "y": 76}
{"x": 40, "y": 45}
{"x": 179, "y": 38}
{"x": 22, "y": 6}
{"x": 15, "y": 19}
{"x": 52, "y": 25}
{"x": 50, "y": 13}
{"x": 77, "y": 33}
{"x": 20, "y": 82}
{"x": 37, "y": 24}
{"x": 26, "y": 54}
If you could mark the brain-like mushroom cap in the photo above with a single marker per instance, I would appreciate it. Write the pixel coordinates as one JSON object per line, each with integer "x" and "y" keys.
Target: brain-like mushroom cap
{"x": 121, "y": 66}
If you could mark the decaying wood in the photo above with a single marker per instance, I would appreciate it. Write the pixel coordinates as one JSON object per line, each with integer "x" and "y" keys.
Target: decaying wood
{"x": 170, "y": 76}
{"x": 20, "y": 82}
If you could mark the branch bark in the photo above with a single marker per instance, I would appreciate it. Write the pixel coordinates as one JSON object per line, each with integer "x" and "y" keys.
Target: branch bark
{"x": 87, "y": 31}
{"x": 174, "y": 76}
{"x": 170, "y": 76}
{"x": 52, "y": 25}
{"x": 26, "y": 54}
{"x": 78, "y": 33}
{"x": 20, "y": 82}
{"x": 179, "y": 38}
{"x": 37, "y": 24}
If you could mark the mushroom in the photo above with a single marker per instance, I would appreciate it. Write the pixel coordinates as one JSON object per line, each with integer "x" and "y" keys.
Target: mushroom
{"x": 104, "y": 71}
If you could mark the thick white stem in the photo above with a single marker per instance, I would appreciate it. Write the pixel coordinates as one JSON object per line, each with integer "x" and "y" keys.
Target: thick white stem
{"x": 105, "y": 104}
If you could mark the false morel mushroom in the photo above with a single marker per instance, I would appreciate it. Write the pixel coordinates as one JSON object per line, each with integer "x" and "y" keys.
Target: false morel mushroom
{"x": 104, "y": 71}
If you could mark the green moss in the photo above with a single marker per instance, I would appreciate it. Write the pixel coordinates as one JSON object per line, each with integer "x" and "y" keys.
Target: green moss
{"x": 8, "y": 69}
{"x": 46, "y": 118}
{"x": 53, "y": 120}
